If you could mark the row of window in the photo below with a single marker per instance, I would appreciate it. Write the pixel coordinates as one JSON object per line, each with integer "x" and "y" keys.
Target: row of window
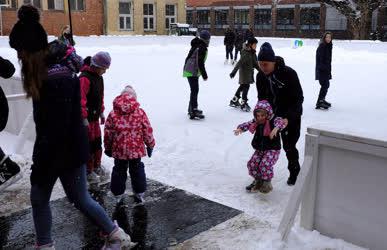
{"x": 51, "y": 4}
{"x": 309, "y": 18}
{"x": 126, "y": 10}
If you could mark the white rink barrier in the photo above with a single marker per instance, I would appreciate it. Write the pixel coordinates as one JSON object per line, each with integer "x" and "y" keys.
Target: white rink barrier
{"x": 342, "y": 189}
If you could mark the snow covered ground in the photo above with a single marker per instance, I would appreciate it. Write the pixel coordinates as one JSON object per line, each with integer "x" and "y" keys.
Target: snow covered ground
{"x": 204, "y": 157}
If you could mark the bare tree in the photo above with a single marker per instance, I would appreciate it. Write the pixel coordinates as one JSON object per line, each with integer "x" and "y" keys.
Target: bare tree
{"x": 358, "y": 13}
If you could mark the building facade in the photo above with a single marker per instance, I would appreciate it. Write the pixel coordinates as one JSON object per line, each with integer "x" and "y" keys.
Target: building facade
{"x": 287, "y": 18}
{"x": 87, "y": 15}
{"x": 141, "y": 17}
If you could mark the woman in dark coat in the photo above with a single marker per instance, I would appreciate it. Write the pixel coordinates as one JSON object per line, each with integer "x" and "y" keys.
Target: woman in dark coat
{"x": 324, "y": 69}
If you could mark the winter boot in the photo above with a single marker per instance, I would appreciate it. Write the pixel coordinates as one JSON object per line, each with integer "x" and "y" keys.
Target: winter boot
{"x": 321, "y": 105}
{"x": 118, "y": 240}
{"x": 254, "y": 186}
{"x": 266, "y": 187}
{"x": 245, "y": 106}
{"x": 196, "y": 115}
{"x": 93, "y": 178}
{"x": 235, "y": 102}
{"x": 9, "y": 173}
{"x": 293, "y": 174}
{"x": 139, "y": 199}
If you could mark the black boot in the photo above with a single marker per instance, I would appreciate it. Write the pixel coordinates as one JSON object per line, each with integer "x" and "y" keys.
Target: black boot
{"x": 235, "y": 102}
{"x": 321, "y": 105}
{"x": 196, "y": 115}
{"x": 327, "y": 103}
{"x": 294, "y": 169}
{"x": 9, "y": 173}
{"x": 245, "y": 106}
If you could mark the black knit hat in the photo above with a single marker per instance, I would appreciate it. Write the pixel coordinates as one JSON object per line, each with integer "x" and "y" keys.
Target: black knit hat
{"x": 28, "y": 34}
{"x": 266, "y": 53}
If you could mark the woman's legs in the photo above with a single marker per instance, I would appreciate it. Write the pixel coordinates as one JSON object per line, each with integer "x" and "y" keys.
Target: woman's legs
{"x": 323, "y": 90}
{"x": 74, "y": 184}
{"x": 41, "y": 212}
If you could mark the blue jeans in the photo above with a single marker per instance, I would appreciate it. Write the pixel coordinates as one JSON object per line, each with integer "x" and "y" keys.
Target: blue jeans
{"x": 120, "y": 174}
{"x": 74, "y": 185}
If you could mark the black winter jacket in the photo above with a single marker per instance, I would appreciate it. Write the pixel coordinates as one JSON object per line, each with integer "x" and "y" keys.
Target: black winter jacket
{"x": 282, "y": 89}
{"x": 324, "y": 61}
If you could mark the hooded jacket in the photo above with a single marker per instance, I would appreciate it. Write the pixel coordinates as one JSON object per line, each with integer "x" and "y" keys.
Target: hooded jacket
{"x": 282, "y": 89}
{"x": 127, "y": 129}
{"x": 194, "y": 65}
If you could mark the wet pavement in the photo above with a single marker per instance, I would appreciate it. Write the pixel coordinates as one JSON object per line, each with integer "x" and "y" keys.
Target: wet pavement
{"x": 169, "y": 216}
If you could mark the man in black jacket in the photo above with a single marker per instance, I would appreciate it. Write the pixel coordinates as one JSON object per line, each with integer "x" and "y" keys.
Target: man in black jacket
{"x": 279, "y": 84}
{"x": 229, "y": 40}
{"x": 9, "y": 170}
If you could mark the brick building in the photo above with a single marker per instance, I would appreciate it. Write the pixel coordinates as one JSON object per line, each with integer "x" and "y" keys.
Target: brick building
{"x": 288, "y": 18}
{"x": 87, "y": 15}
{"x": 143, "y": 16}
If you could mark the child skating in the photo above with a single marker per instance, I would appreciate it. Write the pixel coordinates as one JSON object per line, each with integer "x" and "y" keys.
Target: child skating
{"x": 246, "y": 66}
{"x": 127, "y": 129}
{"x": 267, "y": 145}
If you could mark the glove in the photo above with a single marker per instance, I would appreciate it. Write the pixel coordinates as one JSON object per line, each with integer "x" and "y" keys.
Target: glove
{"x": 102, "y": 117}
{"x": 232, "y": 75}
{"x": 108, "y": 153}
{"x": 85, "y": 122}
{"x": 149, "y": 151}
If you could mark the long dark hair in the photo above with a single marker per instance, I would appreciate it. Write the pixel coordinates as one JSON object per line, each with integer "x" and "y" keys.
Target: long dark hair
{"x": 34, "y": 71}
{"x": 322, "y": 41}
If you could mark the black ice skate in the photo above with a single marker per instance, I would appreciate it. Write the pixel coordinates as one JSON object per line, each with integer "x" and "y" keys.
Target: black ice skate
{"x": 322, "y": 105}
{"x": 9, "y": 173}
{"x": 196, "y": 115}
{"x": 235, "y": 102}
{"x": 245, "y": 106}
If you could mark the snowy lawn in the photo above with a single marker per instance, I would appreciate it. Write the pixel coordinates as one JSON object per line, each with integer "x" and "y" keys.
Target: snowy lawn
{"x": 204, "y": 157}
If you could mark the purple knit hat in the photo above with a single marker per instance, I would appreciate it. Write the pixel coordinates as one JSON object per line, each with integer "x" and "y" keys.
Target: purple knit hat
{"x": 101, "y": 60}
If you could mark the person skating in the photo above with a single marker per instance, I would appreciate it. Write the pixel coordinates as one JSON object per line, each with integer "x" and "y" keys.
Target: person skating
{"x": 267, "y": 145}
{"x": 324, "y": 69}
{"x": 229, "y": 41}
{"x": 127, "y": 130}
{"x": 194, "y": 67}
{"x": 246, "y": 66}
{"x": 92, "y": 103}
{"x": 239, "y": 41}
{"x": 9, "y": 170}
{"x": 61, "y": 145}
{"x": 279, "y": 84}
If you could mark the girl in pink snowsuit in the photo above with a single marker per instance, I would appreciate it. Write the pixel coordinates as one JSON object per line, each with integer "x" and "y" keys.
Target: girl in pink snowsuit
{"x": 267, "y": 145}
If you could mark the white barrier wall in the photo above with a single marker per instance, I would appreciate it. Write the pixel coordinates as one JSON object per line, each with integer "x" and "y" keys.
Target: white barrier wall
{"x": 19, "y": 108}
{"x": 345, "y": 193}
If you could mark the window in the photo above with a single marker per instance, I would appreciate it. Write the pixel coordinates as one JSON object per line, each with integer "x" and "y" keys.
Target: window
{"x": 262, "y": 18}
{"x": 203, "y": 17}
{"x": 310, "y": 18}
{"x": 55, "y": 4}
{"x": 335, "y": 20}
{"x": 285, "y": 19}
{"x": 241, "y": 17}
{"x": 149, "y": 18}
{"x": 125, "y": 10}
{"x": 190, "y": 17}
{"x": 170, "y": 15}
{"x": 221, "y": 17}
{"x": 12, "y": 4}
{"x": 35, "y": 3}
{"x": 77, "y": 5}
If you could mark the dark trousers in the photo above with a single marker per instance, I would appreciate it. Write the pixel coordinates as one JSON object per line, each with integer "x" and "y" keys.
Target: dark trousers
{"x": 193, "y": 100}
{"x": 324, "y": 89}
{"x": 290, "y": 136}
{"x": 120, "y": 174}
{"x": 236, "y": 53}
{"x": 244, "y": 89}
{"x": 229, "y": 49}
